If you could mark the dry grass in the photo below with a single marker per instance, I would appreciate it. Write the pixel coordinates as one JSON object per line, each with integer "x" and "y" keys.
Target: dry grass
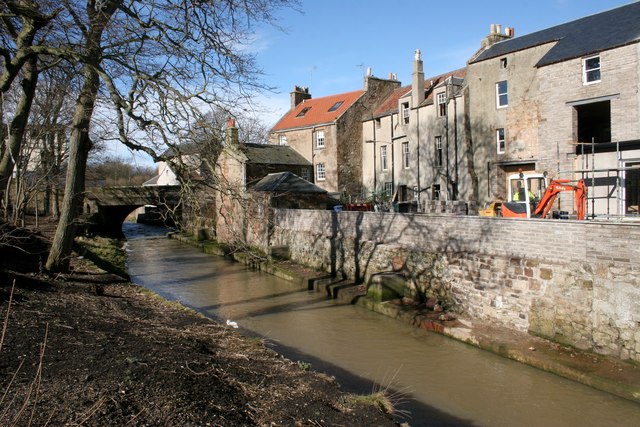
{"x": 30, "y": 398}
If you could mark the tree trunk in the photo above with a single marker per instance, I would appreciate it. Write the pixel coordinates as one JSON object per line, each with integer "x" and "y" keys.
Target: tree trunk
{"x": 80, "y": 144}
{"x": 19, "y": 122}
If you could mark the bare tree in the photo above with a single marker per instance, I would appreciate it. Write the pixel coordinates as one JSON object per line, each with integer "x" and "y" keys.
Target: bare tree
{"x": 20, "y": 25}
{"x": 159, "y": 63}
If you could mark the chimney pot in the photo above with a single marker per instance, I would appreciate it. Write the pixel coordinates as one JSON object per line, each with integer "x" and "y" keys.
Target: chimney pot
{"x": 232, "y": 132}
{"x": 492, "y": 29}
{"x": 498, "y": 28}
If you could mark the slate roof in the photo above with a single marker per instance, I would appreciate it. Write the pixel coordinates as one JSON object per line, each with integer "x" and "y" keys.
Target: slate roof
{"x": 183, "y": 149}
{"x": 272, "y": 154}
{"x": 390, "y": 104}
{"x": 318, "y": 111}
{"x": 606, "y": 30}
{"x": 286, "y": 182}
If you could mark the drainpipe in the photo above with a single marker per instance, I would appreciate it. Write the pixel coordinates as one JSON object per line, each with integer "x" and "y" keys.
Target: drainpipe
{"x": 375, "y": 165}
{"x": 446, "y": 133}
{"x": 393, "y": 168}
{"x": 418, "y": 152}
{"x": 455, "y": 146}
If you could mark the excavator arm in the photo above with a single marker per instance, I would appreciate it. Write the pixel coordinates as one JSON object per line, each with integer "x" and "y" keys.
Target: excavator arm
{"x": 558, "y": 186}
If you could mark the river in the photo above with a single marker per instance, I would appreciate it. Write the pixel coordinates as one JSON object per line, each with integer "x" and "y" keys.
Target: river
{"x": 438, "y": 380}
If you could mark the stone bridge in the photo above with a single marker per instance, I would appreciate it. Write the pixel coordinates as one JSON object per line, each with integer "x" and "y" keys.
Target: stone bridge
{"x": 110, "y": 206}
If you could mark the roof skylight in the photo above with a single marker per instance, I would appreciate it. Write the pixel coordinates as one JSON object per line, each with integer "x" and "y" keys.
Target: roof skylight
{"x": 303, "y": 112}
{"x": 335, "y": 106}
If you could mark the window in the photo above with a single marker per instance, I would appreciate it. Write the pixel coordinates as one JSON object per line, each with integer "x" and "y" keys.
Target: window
{"x": 500, "y": 146}
{"x": 383, "y": 158}
{"x": 632, "y": 188}
{"x": 388, "y": 189}
{"x": 442, "y": 104}
{"x": 502, "y": 97}
{"x": 303, "y": 112}
{"x": 405, "y": 112}
{"x": 304, "y": 173}
{"x": 320, "y": 174}
{"x": 594, "y": 123}
{"x": 405, "y": 155}
{"x": 282, "y": 139}
{"x": 320, "y": 139}
{"x": 335, "y": 106}
{"x": 435, "y": 192}
{"x": 591, "y": 70}
{"x": 503, "y": 62}
{"x": 438, "y": 153}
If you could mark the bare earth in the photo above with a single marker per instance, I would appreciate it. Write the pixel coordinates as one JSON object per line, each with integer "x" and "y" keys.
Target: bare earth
{"x": 91, "y": 349}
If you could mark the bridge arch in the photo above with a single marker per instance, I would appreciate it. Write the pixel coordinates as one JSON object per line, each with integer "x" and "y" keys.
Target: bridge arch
{"x": 110, "y": 206}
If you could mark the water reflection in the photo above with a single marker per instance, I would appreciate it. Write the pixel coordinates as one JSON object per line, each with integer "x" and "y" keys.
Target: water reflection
{"x": 451, "y": 383}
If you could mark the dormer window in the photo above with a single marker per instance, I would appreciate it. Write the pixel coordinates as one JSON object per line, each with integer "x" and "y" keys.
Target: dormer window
{"x": 335, "y": 106}
{"x": 303, "y": 112}
{"x": 591, "y": 70}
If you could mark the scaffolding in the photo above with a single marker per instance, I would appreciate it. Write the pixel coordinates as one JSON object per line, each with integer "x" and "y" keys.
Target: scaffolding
{"x": 606, "y": 186}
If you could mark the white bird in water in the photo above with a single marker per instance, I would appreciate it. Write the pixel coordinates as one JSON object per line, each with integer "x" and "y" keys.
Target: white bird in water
{"x": 232, "y": 323}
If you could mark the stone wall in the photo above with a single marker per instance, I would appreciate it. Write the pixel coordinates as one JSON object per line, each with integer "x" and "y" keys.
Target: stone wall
{"x": 574, "y": 282}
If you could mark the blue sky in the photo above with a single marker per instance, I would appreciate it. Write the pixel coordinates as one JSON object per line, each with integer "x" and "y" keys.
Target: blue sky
{"x": 329, "y": 46}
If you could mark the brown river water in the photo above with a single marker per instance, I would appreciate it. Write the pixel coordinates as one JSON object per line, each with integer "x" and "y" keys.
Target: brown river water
{"x": 438, "y": 380}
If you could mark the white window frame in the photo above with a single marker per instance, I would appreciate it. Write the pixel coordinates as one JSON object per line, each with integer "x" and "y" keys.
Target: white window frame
{"x": 406, "y": 155}
{"x": 499, "y": 94}
{"x": 586, "y": 71}
{"x": 405, "y": 113}
{"x": 388, "y": 188}
{"x": 500, "y": 141}
{"x": 438, "y": 159}
{"x": 319, "y": 139}
{"x": 282, "y": 139}
{"x": 442, "y": 104}
{"x": 384, "y": 164}
{"x": 320, "y": 172}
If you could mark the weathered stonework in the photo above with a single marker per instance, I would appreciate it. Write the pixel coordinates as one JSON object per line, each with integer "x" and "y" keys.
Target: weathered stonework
{"x": 573, "y": 282}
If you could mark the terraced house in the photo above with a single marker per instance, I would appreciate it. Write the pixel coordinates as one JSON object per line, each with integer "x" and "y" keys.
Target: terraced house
{"x": 564, "y": 100}
{"x": 327, "y": 132}
{"x": 413, "y": 144}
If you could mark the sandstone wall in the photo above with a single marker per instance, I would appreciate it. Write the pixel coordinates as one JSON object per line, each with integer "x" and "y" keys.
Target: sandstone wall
{"x": 574, "y": 282}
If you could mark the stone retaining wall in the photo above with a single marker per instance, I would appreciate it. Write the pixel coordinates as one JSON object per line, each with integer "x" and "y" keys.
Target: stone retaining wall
{"x": 573, "y": 282}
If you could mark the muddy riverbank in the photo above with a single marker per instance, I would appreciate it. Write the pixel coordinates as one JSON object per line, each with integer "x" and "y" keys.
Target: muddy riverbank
{"x": 89, "y": 348}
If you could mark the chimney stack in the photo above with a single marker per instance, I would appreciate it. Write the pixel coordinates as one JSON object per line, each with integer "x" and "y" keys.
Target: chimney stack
{"x": 298, "y": 95}
{"x": 496, "y": 35}
{"x": 232, "y": 132}
{"x": 417, "y": 80}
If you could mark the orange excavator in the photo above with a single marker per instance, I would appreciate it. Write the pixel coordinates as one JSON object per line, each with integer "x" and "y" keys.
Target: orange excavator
{"x": 526, "y": 201}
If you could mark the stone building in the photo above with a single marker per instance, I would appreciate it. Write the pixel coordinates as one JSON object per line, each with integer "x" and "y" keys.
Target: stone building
{"x": 240, "y": 166}
{"x": 413, "y": 144}
{"x": 564, "y": 101}
{"x": 327, "y": 132}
